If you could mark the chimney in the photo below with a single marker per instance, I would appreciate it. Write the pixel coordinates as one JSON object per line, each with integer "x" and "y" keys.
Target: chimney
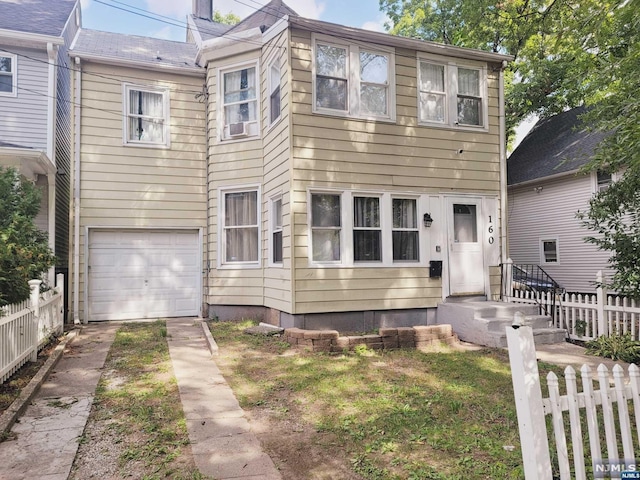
{"x": 203, "y": 9}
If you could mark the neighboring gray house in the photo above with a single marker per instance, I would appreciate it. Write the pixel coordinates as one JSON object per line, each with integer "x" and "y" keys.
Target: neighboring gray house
{"x": 35, "y": 125}
{"x": 545, "y": 190}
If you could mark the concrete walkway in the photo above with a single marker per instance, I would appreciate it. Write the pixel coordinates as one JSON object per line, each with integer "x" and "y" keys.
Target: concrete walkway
{"x": 46, "y": 436}
{"x": 222, "y": 443}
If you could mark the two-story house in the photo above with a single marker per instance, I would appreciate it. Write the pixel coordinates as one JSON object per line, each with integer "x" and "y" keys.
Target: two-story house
{"x": 318, "y": 175}
{"x": 35, "y": 123}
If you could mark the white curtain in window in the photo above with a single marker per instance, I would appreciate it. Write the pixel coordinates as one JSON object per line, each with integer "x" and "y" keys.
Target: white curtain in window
{"x": 432, "y": 93}
{"x": 325, "y": 224}
{"x": 241, "y": 226}
{"x": 146, "y": 116}
{"x": 240, "y": 96}
{"x": 468, "y": 82}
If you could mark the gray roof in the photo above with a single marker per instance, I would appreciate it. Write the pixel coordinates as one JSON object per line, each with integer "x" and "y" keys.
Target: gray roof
{"x": 45, "y": 17}
{"x": 209, "y": 29}
{"x": 558, "y": 144}
{"x": 147, "y": 50}
{"x": 265, "y": 17}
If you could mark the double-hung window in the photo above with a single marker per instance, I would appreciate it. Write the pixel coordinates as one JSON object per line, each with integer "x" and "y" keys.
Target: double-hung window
{"x": 405, "y": 232}
{"x": 240, "y": 236}
{"x": 352, "y": 80}
{"x": 452, "y": 95}
{"x": 8, "y": 75}
{"x": 239, "y": 102}
{"x": 549, "y": 250}
{"x": 367, "y": 231}
{"x": 274, "y": 92}
{"x": 326, "y": 227}
{"x": 276, "y": 230}
{"x": 146, "y": 116}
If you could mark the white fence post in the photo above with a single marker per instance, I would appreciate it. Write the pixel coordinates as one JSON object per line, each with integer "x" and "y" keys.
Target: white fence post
{"x": 507, "y": 280}
{"x": 601, "y": 300}
{"x": 528, "y": 396}
{"x": 34, "y": 297}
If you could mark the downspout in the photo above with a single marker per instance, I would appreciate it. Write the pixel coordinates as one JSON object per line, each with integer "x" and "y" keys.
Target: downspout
{"x": 205, "y": 303}
{"x": 52, "y": 54}
{"x": 503, "y": 170}
{"x": 76, "y": 194}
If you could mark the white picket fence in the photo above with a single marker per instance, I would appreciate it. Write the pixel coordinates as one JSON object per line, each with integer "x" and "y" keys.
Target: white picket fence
{"x": 27, "y": 326}
{"x": 584, "y": 316}
{"x": 594, "y": 407}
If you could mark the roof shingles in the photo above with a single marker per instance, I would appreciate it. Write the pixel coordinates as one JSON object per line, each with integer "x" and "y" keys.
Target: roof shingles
{"x": 44, "y": 17}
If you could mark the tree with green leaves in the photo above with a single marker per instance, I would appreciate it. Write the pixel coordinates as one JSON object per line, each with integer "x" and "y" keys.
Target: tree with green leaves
{"x": 228, "y": 19}
{"x": 614, "y": 214}
{"x": 24, "y": 249}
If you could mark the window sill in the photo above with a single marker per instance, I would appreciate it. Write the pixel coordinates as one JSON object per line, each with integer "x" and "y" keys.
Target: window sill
{"x": 238, "y": 140}
{"x": 155, "y": 146}
{"x": 273, "y": 125}
{"x": 346, "y": 115}
{"x": 454, "y": 128}
{"x": 239, "y": 266}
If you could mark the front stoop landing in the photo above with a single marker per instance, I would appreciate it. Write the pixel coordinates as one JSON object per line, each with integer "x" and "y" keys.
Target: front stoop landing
{"x": 483, "y": 323}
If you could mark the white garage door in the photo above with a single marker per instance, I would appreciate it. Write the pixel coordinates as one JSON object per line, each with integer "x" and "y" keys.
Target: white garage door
{"x": 143, "y": 274}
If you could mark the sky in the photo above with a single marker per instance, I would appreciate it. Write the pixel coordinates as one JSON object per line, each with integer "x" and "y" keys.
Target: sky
{"x": 166, "y": 18}
{"x": 130, "y": 16}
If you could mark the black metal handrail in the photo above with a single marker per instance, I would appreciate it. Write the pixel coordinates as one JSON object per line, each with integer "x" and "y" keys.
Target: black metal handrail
{"x": 533, "y": 278}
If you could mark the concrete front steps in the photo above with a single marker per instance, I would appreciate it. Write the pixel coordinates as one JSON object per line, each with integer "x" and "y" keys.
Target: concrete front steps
{"x": 483, "y": 323}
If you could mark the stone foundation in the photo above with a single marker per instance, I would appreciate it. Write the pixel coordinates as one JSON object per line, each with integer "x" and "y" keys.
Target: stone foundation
{"x": 330, "y": 341}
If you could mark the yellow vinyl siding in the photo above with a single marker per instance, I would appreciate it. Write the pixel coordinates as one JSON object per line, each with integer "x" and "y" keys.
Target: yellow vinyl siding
{"x": 260, "y": 161}
{"x": 398, "y": 157}
{"x": 139, "y": 187}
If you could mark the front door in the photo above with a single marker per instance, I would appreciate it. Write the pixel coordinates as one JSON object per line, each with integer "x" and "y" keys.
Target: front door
{"x": 466, "y": 257}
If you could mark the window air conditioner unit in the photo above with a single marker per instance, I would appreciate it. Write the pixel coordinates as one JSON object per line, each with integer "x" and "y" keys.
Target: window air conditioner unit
{"x": 238, "y": 129}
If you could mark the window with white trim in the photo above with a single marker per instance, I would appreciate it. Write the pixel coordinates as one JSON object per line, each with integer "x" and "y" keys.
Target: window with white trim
{"x": 367, "y": 230}
{"x": 602, "y": 181}
{"x": 146, "y": 116}
{"x": 326, "y": 227}
{"x": 239, "y": 102}
{"x": 405, "y": 232}
{"x": 549, "y": 250}
{"x": 353, "y": 228}
{"x": 274, "y": 91}
{"x": 452, "y": 95}
{"x": 352, "y": 80}
{"x": 8, "y": 75}
{"x": 276, "y": 230}
{"x": 240, "y": 220}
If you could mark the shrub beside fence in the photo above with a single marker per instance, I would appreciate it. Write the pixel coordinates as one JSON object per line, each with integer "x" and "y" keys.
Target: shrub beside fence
{"x": 27, "y": 326}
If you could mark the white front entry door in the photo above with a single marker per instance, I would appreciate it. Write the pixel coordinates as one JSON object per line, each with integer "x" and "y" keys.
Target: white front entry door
{"x": 143, "y": 274}
{"x": 465, "y": 242}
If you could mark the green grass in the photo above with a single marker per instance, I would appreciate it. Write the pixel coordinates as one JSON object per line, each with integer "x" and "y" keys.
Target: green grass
{"x": 140, "y": 397}
{"x": 399, "y": 414}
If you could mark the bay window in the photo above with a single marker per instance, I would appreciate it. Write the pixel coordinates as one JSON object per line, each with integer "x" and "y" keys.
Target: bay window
{"x": 147, "y": 116}
{"x": 240, "y": 236}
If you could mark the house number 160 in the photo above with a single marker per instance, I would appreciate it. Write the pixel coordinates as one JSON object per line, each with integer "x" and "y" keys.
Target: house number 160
{"x": 491, "y": 239}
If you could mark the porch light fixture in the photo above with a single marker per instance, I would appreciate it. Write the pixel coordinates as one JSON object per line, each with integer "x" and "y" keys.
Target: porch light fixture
{"x": 427, "y": 220}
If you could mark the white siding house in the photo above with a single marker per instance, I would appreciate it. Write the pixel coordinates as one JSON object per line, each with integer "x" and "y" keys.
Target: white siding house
{"x": 546, "y": 190}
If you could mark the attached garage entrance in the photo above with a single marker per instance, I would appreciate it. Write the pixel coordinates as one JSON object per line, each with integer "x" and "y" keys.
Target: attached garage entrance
{"x": 143, "y": 274}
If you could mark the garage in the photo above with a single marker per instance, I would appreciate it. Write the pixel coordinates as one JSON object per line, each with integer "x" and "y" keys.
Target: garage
{"x": 143, "y": 274}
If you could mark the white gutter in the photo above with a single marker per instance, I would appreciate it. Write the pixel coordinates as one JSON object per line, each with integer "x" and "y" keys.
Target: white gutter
{"x": 29, "y": 38}
{"x": 546, "y": 178}
{"x": 76, "y": 195}
{"x": 120, "y": 62}
{"x": 503, "y": 171}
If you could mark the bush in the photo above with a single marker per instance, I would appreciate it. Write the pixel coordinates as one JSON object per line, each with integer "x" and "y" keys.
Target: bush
{"x": 616, "y": 347}
{"x": 24, "y": 249}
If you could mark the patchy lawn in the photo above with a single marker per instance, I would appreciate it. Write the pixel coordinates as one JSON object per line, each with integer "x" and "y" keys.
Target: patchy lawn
{"x": 401, "y": 414}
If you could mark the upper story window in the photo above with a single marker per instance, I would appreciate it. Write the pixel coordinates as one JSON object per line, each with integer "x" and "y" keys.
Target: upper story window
{"x": 452, "y": 95}
{"x": 602, "y": 181}
{"x": 8, "y": 75}
{"x": 351, "y": 80}
{"x": 274, "y": 92}
{"x": 239, "y": 102}
{"x": 276, "y": 230}
{"x": 147, "y": 116}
